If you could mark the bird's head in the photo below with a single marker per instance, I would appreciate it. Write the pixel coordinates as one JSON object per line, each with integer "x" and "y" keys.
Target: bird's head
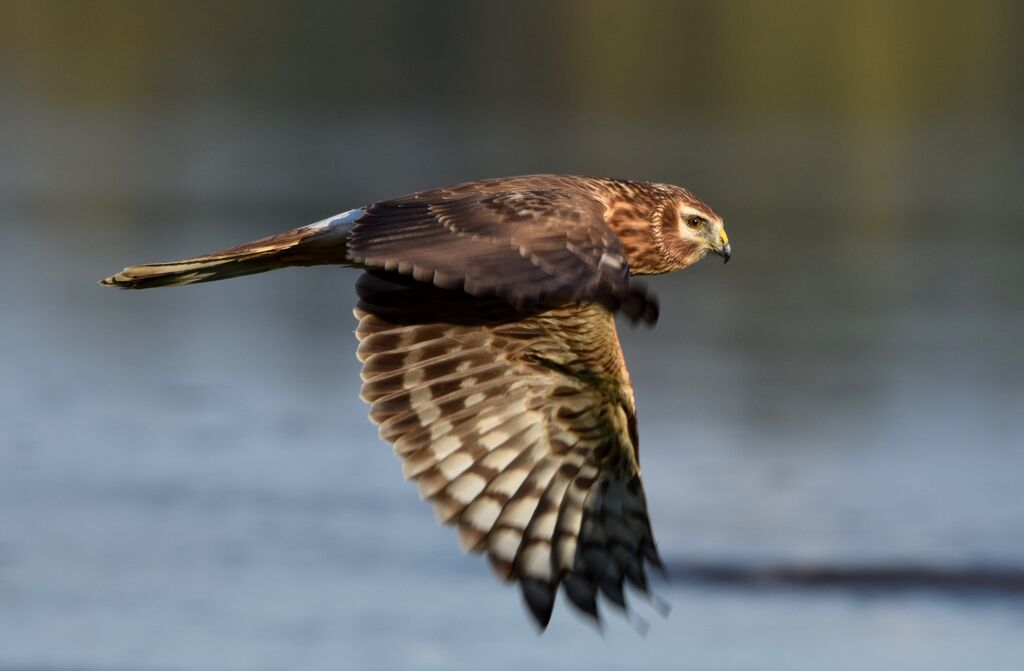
{"x": 663, "y": 227}
{"x": 701, "y": 232}
{"x": 690, "y": 230}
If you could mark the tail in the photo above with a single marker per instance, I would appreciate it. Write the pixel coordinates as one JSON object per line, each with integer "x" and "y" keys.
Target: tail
{"x": 324, "y": 242}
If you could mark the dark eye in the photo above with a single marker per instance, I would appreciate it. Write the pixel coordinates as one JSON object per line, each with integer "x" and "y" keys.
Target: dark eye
{"x": 695, "y": 222}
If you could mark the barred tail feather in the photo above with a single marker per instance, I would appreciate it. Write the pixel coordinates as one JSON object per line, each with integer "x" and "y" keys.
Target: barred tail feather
{"x": 186, "y": 271}
{"x": 325, "y": 242}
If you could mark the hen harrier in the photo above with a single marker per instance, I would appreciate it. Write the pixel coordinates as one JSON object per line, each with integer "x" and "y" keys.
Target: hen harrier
{"x": 491, "y": 361}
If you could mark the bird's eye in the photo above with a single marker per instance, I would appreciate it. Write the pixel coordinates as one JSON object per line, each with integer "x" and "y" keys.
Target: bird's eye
{"x": 694, "y": 222}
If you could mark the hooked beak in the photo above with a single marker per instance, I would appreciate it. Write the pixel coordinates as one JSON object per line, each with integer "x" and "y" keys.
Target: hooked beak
{"x": 723, "y": 249}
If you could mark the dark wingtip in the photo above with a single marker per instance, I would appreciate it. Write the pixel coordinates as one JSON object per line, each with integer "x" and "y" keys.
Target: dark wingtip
{"x": 582, "y": 593}
{"x": 612, "y": 588}
{"x": 540, "y": 598}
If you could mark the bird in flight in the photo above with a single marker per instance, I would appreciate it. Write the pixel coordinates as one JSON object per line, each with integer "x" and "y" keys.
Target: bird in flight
{"x": 491, "y": 361}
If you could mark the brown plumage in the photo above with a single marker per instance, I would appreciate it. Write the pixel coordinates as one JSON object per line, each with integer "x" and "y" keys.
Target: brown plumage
{"x": 491, "y": 361}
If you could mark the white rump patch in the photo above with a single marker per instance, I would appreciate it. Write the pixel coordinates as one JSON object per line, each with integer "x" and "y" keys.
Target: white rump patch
{"x": 341, "y": 221}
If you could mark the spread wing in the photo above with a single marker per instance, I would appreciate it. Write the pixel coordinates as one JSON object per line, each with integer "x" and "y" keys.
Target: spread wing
{"x": 520, "y": 429}
{"x": 528, "y": 246}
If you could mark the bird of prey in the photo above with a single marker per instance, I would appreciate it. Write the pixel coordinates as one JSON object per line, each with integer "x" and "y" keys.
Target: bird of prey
{"x": 491, "y": 360}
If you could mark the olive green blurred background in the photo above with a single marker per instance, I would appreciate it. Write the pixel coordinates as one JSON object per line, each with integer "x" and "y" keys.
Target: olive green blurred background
{"x": 188, "y": 479}
{"x": 811, "y": 95}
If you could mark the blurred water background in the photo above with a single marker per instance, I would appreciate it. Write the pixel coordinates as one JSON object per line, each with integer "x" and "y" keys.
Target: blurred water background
{"x": 188, "y": 479}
